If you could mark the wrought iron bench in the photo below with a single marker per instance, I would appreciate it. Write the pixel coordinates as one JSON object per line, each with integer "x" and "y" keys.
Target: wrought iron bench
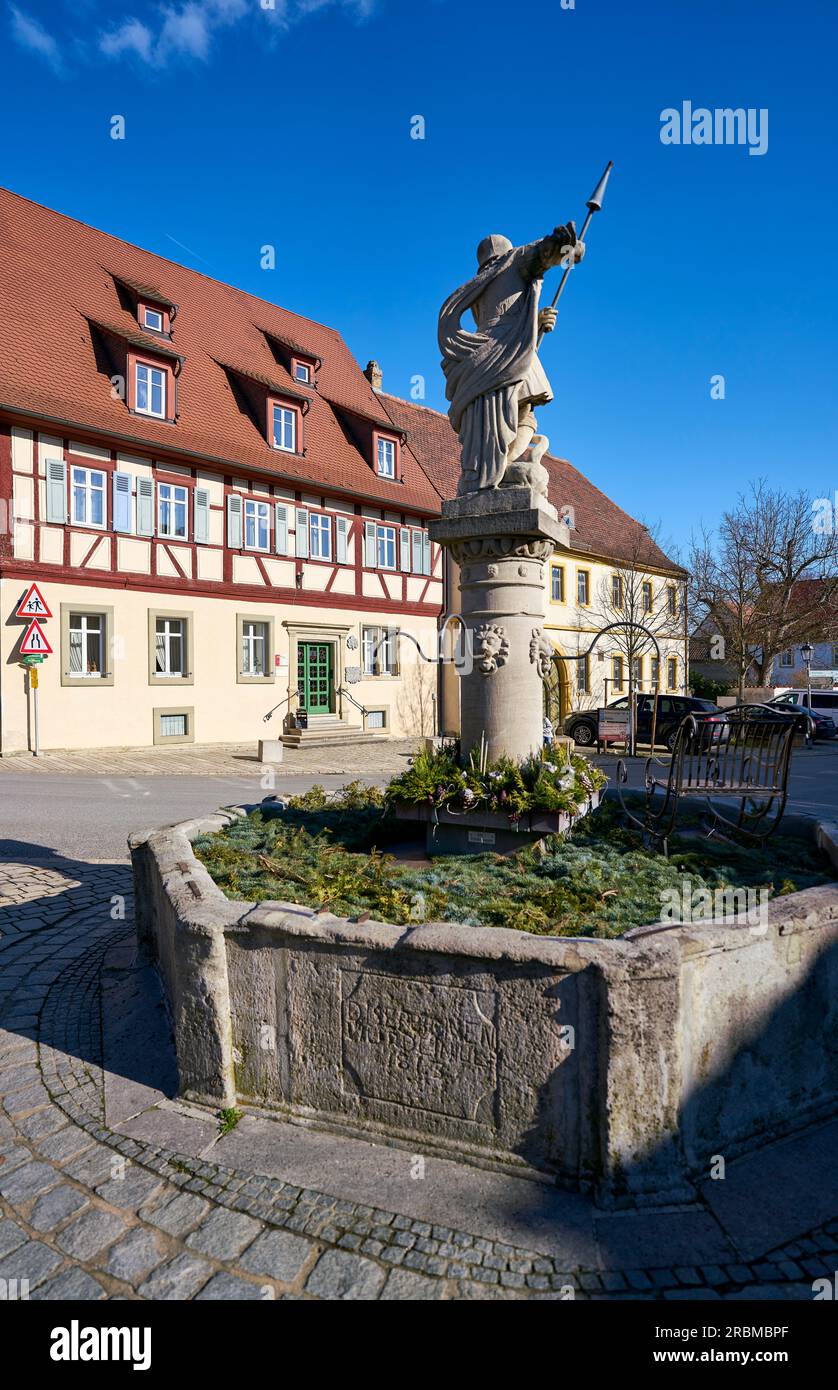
{"x": 744, "y": 757}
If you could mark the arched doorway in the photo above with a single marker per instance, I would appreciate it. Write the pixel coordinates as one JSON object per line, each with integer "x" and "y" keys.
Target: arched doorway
{"x": 557, "y": 691}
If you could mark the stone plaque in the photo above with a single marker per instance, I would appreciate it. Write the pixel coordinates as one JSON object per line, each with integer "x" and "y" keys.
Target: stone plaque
{"x": 352, "y": 674}
{"x": 429, "y": 1047}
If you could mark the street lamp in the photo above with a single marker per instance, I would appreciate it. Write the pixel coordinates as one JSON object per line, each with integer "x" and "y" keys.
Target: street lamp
{"x": 806, "y": 653}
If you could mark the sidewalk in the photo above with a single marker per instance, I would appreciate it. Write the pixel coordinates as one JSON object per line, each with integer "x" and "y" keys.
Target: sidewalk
{"x": 110, "y": 1188}
{"x": 384, "y": 757}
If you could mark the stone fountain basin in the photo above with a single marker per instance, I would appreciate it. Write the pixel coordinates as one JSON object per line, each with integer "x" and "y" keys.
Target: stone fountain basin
{"x": 625, "y": 1066}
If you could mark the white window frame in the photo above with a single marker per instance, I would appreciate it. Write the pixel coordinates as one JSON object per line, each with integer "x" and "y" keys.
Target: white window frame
{"x": 168, "y": 634}
{"x": 252, "y": 516}
{"x": 173, "y": 496}
{"x": 647, "y": 596}
{"x": 250, "y": 640}
{"x": 151, "y": 372}
{"x": 291, "y": 414}
{"x": 303, "y": 367}
{"x": 155, "y": 313}
{"x": 319, "y": 529}
{"x": 379, "y": 651}
{"x": 671, "y": 665}
{"x": 583, "y": 575}
{"x": 88, "y": 489}
{"x": 787, "y": 653}
{"x": 617, "y": 664}
{"x": 388, "y": 471}
{"x": 86, "y": 631}
{"x": 385, "y": 536}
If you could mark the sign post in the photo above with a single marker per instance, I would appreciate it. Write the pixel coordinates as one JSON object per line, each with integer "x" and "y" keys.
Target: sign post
{"x": 33, "y": 648}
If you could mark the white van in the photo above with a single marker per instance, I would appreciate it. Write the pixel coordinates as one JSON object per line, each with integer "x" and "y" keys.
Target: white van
{"x": 825, "y": 701}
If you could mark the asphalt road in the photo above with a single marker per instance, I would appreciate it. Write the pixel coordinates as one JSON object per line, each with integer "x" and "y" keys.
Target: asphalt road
{"x": 90, "y": 818}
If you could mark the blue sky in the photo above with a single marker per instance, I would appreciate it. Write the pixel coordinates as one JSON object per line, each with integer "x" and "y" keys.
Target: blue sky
{"x": 249, "y": 124}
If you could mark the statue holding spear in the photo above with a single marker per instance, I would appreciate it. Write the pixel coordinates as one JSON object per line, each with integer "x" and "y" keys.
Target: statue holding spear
{"x": 494, "y": 375}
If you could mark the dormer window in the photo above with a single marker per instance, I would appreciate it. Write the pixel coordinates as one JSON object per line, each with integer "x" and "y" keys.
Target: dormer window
{"x": 150, "y": 394}
{"x": 284, "y": 434}
{"x": 386, "y": 458}
{"x": 302, "y": 372}
{"x": 153, "y": 319}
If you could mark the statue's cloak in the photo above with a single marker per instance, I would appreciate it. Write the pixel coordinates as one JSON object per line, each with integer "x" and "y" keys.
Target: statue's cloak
{"x": 485, "y": 370}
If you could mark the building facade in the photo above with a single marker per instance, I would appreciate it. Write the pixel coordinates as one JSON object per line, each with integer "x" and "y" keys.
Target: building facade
{"x": 225, "y": 516}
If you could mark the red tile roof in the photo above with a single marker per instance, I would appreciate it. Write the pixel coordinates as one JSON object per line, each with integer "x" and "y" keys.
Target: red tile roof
{"x": 602, "y": 528}
{"x": 56, "y": 275}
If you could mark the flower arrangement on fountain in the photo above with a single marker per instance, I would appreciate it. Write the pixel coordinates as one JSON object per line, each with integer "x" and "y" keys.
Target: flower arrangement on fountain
{"x": 435, "y": 779}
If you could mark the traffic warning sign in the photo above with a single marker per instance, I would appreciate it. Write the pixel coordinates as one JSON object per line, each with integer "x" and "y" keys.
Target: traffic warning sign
{"x": 33, "y": 605}
{"x": 34, "y": 641}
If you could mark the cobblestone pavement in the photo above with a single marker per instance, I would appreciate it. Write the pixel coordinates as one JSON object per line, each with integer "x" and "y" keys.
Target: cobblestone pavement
{"x": 101, "y": 1198}
{"x": 379, "y": 757}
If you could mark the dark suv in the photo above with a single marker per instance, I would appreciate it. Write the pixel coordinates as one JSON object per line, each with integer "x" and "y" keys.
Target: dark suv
{"x": 582, "y": 725}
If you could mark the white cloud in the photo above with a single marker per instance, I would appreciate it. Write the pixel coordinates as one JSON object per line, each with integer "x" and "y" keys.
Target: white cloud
{"x": 131, "y": 37}
{"x": 187, "y": 29}
{"x": 31, "y": 34}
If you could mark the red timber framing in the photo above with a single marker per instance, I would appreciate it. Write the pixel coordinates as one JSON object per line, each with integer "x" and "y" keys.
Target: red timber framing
{"x": 184, "y": 474}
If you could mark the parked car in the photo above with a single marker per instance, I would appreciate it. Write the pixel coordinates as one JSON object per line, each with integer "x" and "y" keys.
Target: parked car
{"x": 581, "y": 726}
{"x": 824, "y": 724}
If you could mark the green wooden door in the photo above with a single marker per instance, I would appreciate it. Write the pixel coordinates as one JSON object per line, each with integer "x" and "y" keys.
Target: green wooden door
{"x": 315, "y": 676}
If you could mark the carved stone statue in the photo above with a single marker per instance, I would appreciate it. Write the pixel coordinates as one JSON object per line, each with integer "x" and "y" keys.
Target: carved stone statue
{"x": 494, "y": 376}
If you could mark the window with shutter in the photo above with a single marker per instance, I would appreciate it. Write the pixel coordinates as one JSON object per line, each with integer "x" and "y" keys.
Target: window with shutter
{"x": 417, "y": 552}
{"x": 404, "y": 547}
{"x": 56, "y": 490}
{"x": 122, "y": 501}
{"x": 341, "y": 539}
{"x": 145, "y": 507}
{"x": 426, "y": 553}
{"x": 370, "y": 544}
{"x": 302, "y": 533}
{"x": 201, "y": 506}
{"x": 234, "y": 521}
{"x": 281, "y": 529}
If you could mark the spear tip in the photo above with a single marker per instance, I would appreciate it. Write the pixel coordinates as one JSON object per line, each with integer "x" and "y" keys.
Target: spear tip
{"x": 595, "y": 201}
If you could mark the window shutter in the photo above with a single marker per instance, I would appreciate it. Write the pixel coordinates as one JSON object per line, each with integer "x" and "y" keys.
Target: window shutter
{"x": 145, "y": 507}
{"x": 201, "y": 518}
{"x": 393, "y": 651}
{"x": 369, "y": 544}
{"x": 56, "y": 490}
{"x": 302, "y": 533}
{"x": 122, "y": 501}
{"x": 426, "y": 553}
{"x": 341, "y": 537}
{"x": 234, "y": 521}
{"x": 281, "y": 529}
{"x": 417, "y": 552}
{"x": 404, "y": 545}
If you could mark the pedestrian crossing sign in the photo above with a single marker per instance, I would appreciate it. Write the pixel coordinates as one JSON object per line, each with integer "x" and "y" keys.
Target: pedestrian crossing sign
{"x": 33, "y": 605}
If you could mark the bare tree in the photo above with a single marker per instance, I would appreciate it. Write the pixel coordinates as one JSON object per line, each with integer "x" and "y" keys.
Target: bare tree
{"x": 647, "y": 603}
{"x": 767, "y": 581}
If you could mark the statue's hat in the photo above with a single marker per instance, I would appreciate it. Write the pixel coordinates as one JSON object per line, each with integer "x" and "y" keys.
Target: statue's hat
{"x": 492, "y": 246}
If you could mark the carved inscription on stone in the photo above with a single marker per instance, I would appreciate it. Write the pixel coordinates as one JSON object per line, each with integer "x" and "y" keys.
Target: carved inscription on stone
{"x": 426, "y": 1046}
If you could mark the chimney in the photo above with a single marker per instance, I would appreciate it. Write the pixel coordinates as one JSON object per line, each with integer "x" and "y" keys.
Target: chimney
{"x": 374, "y": 375}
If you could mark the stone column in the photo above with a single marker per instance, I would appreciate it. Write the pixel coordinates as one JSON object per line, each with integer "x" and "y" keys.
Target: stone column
{"x": 501, "y": 539}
